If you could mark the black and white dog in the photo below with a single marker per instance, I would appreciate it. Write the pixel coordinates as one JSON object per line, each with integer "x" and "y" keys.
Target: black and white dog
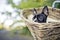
{"x": 42, "y": 17}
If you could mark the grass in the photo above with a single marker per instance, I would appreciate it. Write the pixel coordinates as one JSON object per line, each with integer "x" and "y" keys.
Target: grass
{"x": 24, "y": 31}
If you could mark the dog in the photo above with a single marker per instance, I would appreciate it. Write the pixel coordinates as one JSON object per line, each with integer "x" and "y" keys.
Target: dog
{"x": 41, "y": 17}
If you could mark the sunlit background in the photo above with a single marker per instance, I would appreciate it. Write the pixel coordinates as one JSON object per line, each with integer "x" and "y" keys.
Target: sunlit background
{"x": 10, "y": 15}
{"x": 12, "y": 26}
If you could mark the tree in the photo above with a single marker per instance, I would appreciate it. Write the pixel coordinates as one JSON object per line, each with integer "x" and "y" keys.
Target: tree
{"x": 35, "y": 3}
{"x": 32, "y": 3}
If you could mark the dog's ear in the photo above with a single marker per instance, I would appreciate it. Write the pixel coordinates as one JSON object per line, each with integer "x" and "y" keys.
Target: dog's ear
{"x": 34, "y": 11}
{"x": 46, "y": 8}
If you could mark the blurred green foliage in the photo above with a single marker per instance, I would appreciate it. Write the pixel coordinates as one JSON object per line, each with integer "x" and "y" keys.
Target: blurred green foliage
{"x": 11, "y": 2}
{"x": 32, "y": 3}
{"x": 58, "y": 5}
{"x": 24, "y": 31}
{"x": 35, "y": 3}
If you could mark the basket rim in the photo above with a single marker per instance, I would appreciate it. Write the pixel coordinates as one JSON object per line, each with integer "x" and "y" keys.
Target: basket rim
{"x": 32, "y": 22}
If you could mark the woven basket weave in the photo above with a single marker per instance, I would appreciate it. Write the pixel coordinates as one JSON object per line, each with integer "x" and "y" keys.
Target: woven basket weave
{"x": 43, "y": 31}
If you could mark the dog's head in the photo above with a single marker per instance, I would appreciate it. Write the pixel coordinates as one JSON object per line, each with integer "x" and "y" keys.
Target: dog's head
{"x": 45, "y": 10}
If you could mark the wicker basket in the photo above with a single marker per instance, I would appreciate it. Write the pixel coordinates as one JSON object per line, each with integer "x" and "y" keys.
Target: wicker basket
{"x": 43, "y": 31}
